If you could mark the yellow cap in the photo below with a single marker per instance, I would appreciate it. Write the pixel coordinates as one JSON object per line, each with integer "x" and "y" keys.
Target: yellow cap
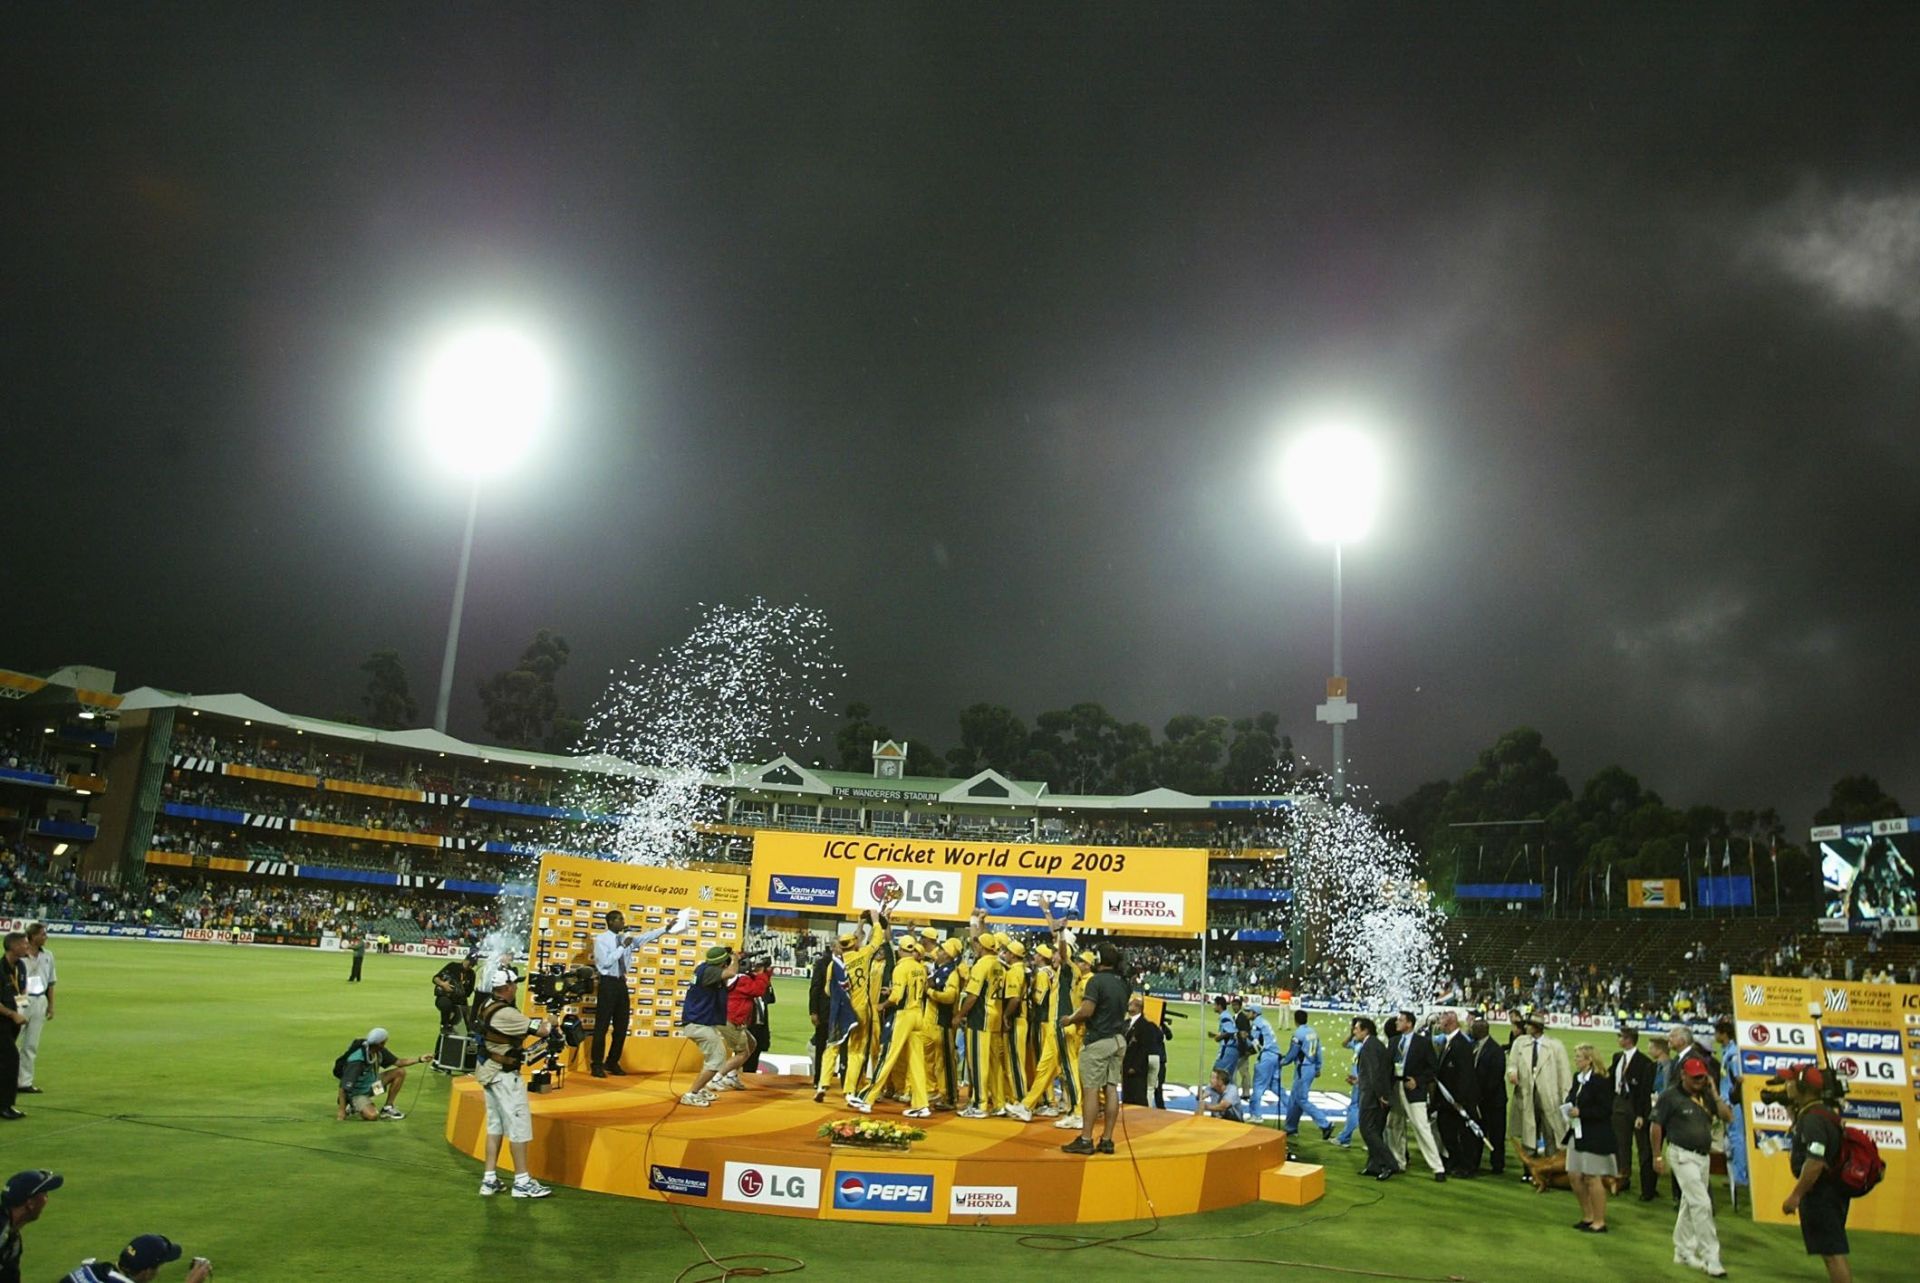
{"x": 952, "y": 947}
{"x": 1015, "y": 948}
{"x": 1044, "y": 951}
{"x": 1087, "y": 957}
{"x": 990, "y": 939}
{"x": 931, "y": 934}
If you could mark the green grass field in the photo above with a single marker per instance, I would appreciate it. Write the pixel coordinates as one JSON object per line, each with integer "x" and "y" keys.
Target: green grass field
{"x": 187, "y": 1094}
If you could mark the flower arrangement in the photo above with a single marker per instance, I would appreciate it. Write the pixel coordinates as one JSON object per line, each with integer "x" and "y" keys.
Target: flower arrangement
{"x": 870, "y": 1133}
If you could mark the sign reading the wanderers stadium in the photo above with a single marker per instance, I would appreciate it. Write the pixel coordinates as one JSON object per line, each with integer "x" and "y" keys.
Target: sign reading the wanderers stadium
{"x": 1866, "y": 1034}
{"x": 1139, "y": 890}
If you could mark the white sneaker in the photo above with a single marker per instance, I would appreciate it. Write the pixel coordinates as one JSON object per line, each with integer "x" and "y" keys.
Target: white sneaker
{"x": 389, "y": 1112}
{"x": 723, "y": 1084}
{"x": 972, "y": 1112}
{"x": 490, "y": 1185}
{"x": 732, "y": 1082}
{"x": 1020, "y": 1112}
{"x": 918, "y": 1113}
{"x": 999, "y": 1113}
{"x": 527, "y": 1187}
{"x": 1071, "y": 1123}
{"x": 1047, "y": 1111}
{"x": 858, "y": 1105}
{"x": 698, "y": 1099}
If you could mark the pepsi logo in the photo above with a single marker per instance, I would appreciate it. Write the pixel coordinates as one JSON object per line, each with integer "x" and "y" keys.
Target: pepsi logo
{"x": 751, "y": 1183}
{"x": 852, "y": 1190}
{"x": 995, "y": 895}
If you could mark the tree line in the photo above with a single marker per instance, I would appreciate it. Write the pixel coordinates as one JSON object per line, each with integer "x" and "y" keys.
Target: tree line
{"x": 1612, "y": 828}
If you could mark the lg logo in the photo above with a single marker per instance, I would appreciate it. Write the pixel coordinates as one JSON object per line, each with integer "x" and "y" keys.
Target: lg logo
{"x": 752, "y": 1182}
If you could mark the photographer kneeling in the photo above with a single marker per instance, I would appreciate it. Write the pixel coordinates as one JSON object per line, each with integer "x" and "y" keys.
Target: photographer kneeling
{"x": 503, "y": 1029}
{"x": 369, "y": 1061}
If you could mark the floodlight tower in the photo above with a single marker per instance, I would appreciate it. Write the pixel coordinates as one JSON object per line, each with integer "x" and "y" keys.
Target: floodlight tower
{"x": 1332, "y": 478}
{"x": 485, "y": 392}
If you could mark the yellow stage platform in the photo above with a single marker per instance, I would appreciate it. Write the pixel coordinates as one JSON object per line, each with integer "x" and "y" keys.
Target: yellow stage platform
{"x": 757, "y": 1151}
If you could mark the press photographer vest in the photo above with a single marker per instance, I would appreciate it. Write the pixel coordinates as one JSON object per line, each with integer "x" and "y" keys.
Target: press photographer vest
{"x": 485, "y": 1032}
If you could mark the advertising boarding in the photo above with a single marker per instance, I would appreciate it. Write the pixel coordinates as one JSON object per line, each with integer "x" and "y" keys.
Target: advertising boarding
{"x": 1138, "y": 890}
{"x": 572, "y": 895}
{"x": 1868, "y": 1034}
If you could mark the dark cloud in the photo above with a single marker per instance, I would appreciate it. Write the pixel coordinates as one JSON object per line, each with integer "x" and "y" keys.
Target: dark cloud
{"x": 975, "y": 328}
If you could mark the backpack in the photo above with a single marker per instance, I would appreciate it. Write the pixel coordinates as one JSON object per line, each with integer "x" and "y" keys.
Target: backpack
{"x": 1858, "y": 1167}
{"x": 340, "y": 1062}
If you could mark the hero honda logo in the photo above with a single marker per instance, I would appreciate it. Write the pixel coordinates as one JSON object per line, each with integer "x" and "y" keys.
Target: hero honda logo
{"x": 1019, "y": 897}
{"x": 1142, "y": 908}
{"x": 883, "y": 1192}
{"x": 918, "y": 892}
{"x": 772, "y": 1186}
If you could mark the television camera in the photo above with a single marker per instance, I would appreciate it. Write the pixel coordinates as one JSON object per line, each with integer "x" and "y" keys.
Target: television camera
{"x": 553, "y": 988}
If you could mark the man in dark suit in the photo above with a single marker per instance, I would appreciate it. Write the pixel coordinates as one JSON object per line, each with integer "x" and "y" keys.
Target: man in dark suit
{"x": 1373, "y": 1090}
{"x": 1632, "y": 1074}
{"x": 1141, "y": 1063}
{"x": 819, "y": 1007}
{"x": 1490, "y": 1078}
{"x": 1457, "y": 1101}
{"x": 1416, "y": 1079}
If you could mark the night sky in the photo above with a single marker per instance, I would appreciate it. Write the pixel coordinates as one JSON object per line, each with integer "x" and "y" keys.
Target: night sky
{"x": 976, "y": 326}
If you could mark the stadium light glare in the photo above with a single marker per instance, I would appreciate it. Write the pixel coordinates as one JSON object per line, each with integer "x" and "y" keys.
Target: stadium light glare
{"x": 1331, "y": 476}
{"x": 484, "y": 395}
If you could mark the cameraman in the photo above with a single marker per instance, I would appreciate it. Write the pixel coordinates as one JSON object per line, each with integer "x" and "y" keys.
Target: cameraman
{"x": 701, "y": 1018}
{"x": 503, "y": 1029}
{"x": 743, "y": 998}
{"x": 453, "y": 990}
{"x": 1817, "y": 1197}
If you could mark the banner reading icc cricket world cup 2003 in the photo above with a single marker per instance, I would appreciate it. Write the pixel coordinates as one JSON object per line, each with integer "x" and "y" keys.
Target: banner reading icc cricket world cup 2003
{"x": 1868, "y": 1034}
{"x": 571, "y": 897}
{"x": 1138, "y": 890}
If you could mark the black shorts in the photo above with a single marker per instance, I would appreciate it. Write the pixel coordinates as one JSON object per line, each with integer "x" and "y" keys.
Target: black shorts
{"x": 1823, "y": 1220}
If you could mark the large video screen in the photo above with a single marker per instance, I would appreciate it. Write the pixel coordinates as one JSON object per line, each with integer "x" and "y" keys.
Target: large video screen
{"x": 1867, "y": 880}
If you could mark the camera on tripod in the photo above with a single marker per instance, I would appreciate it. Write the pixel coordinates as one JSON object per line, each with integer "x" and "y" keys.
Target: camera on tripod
{"x": 551, "y": 987}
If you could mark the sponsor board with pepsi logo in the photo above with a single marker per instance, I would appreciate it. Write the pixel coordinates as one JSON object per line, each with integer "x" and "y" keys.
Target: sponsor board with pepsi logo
{"x": 983, "y": 1200}
{"x": 767, "y": 1185}
{"x": 1765, "y": 1064}
{"x": 1007, "y": 896}
{"x": 689, "y": 1182}
{"x": 882, "y": 1192}
{"x": 1881, "y": 1042}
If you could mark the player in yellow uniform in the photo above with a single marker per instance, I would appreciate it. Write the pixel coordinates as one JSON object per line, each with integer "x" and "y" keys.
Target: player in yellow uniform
{"x": 1072, "y": 992}
{"x": 841, "y": 1018}
{"x": 895, "y": 1087}
{"x": 944, "y": 982}
{"x": 981, "y": 1016}
{"x": 857, "y": 961}
{"x": 877, "y": 1017}
{"x": 1045, "y": 1029}
{"x": 1013, "y": 1003}
{"x": 906, "y": 1002}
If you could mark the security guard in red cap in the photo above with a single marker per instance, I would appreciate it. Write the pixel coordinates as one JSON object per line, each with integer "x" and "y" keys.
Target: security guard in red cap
{"x": 22, "y": 1199}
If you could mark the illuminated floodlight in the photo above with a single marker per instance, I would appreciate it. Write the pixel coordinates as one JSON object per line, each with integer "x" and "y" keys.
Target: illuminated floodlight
{"x": 484, "y": 395}
{"x": 1332, "y": 480}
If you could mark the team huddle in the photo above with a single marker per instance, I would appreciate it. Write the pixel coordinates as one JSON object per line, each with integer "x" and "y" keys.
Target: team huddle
{"x": 928, "y": 1019}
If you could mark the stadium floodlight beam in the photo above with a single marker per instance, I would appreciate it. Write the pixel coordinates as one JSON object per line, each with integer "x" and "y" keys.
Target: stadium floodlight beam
{"x": 1332, "y": 480}
{"x": 485, "y": 393}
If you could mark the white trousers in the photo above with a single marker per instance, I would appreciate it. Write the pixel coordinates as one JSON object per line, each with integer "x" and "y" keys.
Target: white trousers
{"x": 1694, "y": 1240}
{"x": 507, "y": 1111}
{"x": 1422, "y": 1128}
{"x": 35, "y": 1010}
